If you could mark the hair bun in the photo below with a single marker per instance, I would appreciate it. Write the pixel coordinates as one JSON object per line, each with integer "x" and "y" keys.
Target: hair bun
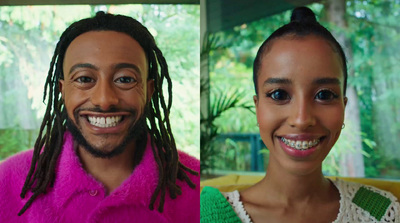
{"x": 303, "y": 15}
{"x": 100, "y": 13}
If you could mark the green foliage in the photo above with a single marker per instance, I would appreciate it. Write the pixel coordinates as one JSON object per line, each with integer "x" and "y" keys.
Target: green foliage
{"x": 220, "y": 102}
{"x": 27, "y": 40}
{"x": 15, "y": 140}
{"x": 374, "y": 35}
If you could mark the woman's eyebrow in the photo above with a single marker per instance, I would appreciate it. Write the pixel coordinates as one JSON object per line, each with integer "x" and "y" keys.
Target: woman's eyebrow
{"x": 327, "y": 80}
{"x": 277, "y": 81}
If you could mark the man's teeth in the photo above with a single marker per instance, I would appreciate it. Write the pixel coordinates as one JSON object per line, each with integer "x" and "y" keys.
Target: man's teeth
{"x": 104, "y": 122}
{"x": 299, "y": 144}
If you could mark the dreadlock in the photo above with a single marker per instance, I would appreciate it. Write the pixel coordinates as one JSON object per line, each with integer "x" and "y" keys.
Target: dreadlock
{"x": 48, "y": 145}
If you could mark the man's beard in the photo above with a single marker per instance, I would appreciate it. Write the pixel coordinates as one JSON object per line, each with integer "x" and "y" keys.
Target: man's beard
{"x": 135, "y": 131}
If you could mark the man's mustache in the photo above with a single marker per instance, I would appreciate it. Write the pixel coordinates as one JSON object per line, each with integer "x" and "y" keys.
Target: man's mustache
{"x": 111, "y": 110}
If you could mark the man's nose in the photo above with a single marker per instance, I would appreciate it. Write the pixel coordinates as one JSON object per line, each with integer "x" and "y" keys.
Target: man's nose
{"x": 301, "y": 115}
{"x": 104, "y": 95}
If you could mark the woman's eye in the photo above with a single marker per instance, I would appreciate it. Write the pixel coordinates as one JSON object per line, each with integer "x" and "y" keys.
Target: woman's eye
{"x": 84, "y": 79}
{"x": 125, "y": 80}
{"x": 326, "y": 95}
{"x": 278, "y": 95}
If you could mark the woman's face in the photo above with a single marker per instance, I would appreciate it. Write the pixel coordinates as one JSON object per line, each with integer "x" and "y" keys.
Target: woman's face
{"x": 300, "y": 103}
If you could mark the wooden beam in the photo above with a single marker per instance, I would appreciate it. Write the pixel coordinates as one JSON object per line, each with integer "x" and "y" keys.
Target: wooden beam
{"x": 93, "y": 2}
{"x": 225, "y": 14}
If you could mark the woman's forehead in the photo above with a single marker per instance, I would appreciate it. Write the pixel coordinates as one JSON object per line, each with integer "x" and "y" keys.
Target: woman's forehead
{"x": 303, "y": 56}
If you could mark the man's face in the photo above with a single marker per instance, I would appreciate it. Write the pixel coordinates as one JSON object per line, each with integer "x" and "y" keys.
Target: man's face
{"x": 105, "y": 88}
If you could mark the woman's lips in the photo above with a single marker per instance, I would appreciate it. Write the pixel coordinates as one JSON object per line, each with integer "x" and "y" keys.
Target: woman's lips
{"x": 299, "y": 146}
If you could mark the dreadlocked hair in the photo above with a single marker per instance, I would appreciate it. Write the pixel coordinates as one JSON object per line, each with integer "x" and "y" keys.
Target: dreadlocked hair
{"x": 48, "y": 145}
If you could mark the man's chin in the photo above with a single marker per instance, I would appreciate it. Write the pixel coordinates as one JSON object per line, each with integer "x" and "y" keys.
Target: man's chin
{"x": 104, "y": 151}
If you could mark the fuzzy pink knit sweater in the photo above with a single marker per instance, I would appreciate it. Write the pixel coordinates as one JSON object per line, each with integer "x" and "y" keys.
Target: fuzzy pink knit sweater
{"x": 78, "y": 197}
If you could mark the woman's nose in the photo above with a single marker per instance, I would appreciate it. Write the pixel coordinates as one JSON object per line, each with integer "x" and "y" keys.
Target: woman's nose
{"x": 301, "y": 115}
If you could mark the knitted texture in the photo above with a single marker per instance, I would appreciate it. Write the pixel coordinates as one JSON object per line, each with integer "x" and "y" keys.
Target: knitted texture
{"x": 363, "y": 203}
{"x": 358, "y": 203}
{"x": 234, "y": 199}
{"x": 372, "y": 202}
{"x": 78, "y": 197}
{"x": 214, "y": 208}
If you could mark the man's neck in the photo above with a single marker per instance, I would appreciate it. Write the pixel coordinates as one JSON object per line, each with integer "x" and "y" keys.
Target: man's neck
{"x": 111, "y": 172}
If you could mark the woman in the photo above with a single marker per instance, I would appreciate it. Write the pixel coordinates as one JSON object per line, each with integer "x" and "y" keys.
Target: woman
{"x": 300, "y": 81}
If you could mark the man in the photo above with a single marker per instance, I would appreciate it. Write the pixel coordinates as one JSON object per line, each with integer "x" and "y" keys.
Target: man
{"x": 105, "y": 151}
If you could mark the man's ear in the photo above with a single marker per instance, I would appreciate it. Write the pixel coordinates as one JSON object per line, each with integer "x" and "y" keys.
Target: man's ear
{"x": 150, "y": 89}
{"x": 345, "y": 101}
{"x": 61, "y": 87}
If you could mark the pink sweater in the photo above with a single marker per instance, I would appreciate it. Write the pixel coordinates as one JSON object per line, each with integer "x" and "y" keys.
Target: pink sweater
{"x": 78, "y": 197}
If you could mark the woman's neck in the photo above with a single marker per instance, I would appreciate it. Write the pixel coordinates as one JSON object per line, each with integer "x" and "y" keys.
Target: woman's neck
{"x": 286, "y": 195}
{"x": 287, "y": 188}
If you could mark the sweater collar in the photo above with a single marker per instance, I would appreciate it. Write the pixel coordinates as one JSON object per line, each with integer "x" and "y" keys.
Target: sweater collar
{"x": 72, "y": 179}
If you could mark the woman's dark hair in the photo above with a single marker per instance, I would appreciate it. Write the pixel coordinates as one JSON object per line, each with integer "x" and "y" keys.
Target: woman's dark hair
{"x": 302, "y": 23}
{"x": 50, "y": 140}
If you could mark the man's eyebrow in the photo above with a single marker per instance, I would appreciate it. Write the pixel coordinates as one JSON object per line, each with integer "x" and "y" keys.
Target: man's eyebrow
{"x": 327, "y": 80}
{"x": 82, "y": 65}
{"x": 277, "y": 81}
{"x": 128, "y": 65}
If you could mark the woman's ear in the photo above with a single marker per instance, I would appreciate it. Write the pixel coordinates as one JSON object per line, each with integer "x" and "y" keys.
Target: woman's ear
{"x": 255, "y": 99}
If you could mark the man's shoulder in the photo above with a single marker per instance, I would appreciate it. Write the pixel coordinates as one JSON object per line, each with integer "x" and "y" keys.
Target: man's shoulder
{"x": 16, "y": 164}
{"x": 189, "y": 161}
{"x": 193, "y": 164}
{"x": 13, "y": 172}
{"x": 187, "y": 204}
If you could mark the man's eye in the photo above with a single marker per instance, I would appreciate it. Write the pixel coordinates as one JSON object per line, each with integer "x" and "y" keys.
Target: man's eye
{"x": 278, "y": 95}
{"x": 326, "y": 95}
{"x": 84, "y": 79}
{"x": 125, "y": 80}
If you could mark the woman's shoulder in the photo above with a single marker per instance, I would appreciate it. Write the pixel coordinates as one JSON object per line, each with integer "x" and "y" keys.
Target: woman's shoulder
{"x": 367, "y": 203}
{"x": 214, "y": 207}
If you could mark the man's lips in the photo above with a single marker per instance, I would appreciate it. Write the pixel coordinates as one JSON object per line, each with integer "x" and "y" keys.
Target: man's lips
{"x": 104, "y": 120}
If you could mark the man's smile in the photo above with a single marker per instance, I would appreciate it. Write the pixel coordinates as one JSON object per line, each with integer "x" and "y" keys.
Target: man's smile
{"x": 104, "y": 122}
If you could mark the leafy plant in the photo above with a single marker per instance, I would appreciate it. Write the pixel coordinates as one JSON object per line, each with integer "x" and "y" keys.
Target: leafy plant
{"x": 220, "y": 102}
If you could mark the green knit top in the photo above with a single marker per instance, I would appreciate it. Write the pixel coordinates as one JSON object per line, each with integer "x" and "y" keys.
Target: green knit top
{"x": 215, "y": 208}
{"x": 358, "y": 203}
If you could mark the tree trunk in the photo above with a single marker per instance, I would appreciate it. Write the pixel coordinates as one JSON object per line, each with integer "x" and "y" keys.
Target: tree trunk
{"x": 352, "y": 162}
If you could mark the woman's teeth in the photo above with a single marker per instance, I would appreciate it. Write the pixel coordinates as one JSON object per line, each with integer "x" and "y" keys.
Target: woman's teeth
{"x": 299, "y": 144}
{"x": 104, "y": 122}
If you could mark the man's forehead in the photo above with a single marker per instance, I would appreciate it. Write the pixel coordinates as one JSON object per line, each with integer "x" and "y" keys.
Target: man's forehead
{"x": 105, "y": 48}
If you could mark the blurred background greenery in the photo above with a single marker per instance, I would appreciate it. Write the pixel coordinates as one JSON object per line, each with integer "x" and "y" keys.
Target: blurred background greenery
{"x": 27, "y": 41}
{"x": 368, "y": 30}
{"x": 370, "y": 33}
